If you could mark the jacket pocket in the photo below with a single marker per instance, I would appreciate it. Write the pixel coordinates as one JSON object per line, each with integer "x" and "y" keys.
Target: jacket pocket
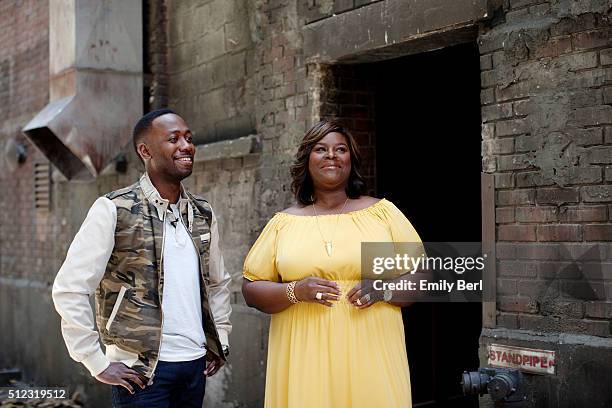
{"x": 113, "y": 314}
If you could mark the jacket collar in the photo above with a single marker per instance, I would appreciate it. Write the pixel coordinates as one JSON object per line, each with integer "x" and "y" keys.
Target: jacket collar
{"x": 161, "y": 204}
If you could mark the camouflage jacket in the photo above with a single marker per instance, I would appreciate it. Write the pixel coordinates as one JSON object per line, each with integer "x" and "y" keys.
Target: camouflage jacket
{"x": 129, "y": 286}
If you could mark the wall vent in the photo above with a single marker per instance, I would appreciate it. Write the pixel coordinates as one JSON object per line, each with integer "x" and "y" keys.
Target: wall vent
{"x": 42, "y": 187}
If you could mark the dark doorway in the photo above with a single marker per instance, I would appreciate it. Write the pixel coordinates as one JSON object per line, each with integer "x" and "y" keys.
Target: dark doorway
{"x": 428, "y": 162}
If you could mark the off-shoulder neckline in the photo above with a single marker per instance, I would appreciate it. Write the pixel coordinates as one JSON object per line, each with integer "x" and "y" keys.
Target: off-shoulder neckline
{"x": 354, "y": 212}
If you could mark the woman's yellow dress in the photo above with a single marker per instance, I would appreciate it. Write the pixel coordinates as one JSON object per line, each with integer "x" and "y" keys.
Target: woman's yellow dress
{"x": 322, "y": 357}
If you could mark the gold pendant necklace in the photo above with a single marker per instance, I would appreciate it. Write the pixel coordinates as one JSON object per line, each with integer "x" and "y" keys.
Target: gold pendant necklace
{"x": 329, "y": 245}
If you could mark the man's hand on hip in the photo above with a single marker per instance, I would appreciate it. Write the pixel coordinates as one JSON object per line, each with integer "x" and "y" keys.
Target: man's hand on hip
{"x": 118, "y": 374}
{"x": 213, "y": 364}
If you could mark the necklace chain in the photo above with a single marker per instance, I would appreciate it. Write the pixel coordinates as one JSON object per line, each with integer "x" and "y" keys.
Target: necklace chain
{"x": 328, "y": 244}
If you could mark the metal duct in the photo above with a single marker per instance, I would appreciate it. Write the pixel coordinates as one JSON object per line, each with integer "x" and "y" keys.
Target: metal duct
{"x": 95, "y": 84}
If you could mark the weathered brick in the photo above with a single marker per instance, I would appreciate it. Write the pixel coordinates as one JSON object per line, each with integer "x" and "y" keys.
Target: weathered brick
{"x": 516, "y": 233}
{"x": 515, "y": 197}
{"x": 608, "y": 173}
{"x": 511, "y": 127}
{"x": 517, "y": 304}
{"x": 544, "y": 251}
{"x": 601, "y": 310}
{"x": 486, "y": 62}
{"x": 488, "y": 131}
{"x": 572, "y": 24}
{"x": 557, "y": 195}
{"x": 584, "y": 252}
{"x": 608, "y": 135}
{"x": 489, "y": 164}
{"x": 591, "y": 116}
{"x": 607, "y": 95}
{"x": 597, "y": 194}
{"x": 507, "y": 320}
{"x": 487, "y": 96}
{"x": 523, "y": 108}
{"x": 598, "y": 232}
{"x": 554, "y": 47}
{"x": 490, "y": 42}
{"x": 586, "y": 137}
{"x": 504, "y": 215}
{"x": 559, "y": 233}
{"x": 584, "y": 175}
{"x": 504, "y": 250}
{"x": 558, "y": 324}
{"x": 536, "y": 214}
{"x": 597, "y": 155}
{"x": 506, "y": 286}
{"x": 591, "y": 39}
{"x": 575, "y": 62}
{"x": 488, "y": 78}
{"x": 606, "y": 56}
{"x": 497, "y": 146}
{"x": 583, "y": 213}
{"x": 515, "y": 162}
{"x": 495, "y": 112}
{"x": 499, "y": 59}
{"x": 504, "y": 180}
{"x": 532, "y": 179}
{"x": 515, "y": 90}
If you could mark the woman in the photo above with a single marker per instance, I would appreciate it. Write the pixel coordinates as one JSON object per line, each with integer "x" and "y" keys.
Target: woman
{"x": 332, "y": 343}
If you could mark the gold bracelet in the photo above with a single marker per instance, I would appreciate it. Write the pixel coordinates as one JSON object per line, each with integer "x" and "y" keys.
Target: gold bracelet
{"x": 291, "y": 293}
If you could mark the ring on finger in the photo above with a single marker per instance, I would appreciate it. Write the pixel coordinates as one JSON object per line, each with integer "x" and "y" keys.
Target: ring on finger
{"x": 319, "y": 296}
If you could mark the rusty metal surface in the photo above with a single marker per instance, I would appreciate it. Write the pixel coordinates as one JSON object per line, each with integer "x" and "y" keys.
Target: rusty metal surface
{"x": 82, "y": 134}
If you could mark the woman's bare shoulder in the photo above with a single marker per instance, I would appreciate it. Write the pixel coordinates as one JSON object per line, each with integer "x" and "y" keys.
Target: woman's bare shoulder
{"x": 369, "y": 199}
{"x": 360, "y": 203}
{"x": 297, "y": 209}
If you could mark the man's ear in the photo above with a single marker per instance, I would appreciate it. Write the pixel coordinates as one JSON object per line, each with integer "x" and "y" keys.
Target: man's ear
{"x": 143, "y": 151}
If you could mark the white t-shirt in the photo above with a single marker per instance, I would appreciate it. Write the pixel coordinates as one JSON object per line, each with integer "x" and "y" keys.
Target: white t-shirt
{"x": 183, "y": 337}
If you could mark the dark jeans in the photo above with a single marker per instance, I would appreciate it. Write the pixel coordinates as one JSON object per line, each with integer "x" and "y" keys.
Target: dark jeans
{"x": 178, "y": 384}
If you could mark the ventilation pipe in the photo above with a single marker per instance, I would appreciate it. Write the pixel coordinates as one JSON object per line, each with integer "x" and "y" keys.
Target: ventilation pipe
{"x": 95, "y": 84}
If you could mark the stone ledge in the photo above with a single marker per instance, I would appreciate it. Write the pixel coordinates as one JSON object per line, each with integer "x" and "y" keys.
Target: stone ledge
{"x": 227, "y": 149}
{"x": 546, "y": 337}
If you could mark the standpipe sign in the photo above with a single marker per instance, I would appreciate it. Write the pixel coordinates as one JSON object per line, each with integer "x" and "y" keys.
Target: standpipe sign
{"x": 525, "y": 359}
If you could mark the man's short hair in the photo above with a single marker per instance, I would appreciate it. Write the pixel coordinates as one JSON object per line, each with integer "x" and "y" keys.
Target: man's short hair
{"x": 144, "y": 125}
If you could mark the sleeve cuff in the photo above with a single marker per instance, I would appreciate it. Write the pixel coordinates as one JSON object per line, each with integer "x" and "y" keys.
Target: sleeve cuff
{"x": 96, "y": 362}
{"x": 223, "y": 337}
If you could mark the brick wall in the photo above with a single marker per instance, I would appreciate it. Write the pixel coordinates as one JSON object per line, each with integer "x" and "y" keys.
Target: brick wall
{"x": 23, "y": 91}
{"x": 348, "y": 94}
{"x": 285, "y": 101}
{"x": 546, "y": 122}
{"x": 155, "y": 43}
{"x": 210, "y": 66}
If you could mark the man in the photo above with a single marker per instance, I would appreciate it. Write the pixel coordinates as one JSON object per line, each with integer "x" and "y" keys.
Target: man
{"x": 151, "y": 253}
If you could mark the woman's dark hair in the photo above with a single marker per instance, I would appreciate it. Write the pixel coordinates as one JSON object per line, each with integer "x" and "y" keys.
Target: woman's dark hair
{"x": 302, "y": 186}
